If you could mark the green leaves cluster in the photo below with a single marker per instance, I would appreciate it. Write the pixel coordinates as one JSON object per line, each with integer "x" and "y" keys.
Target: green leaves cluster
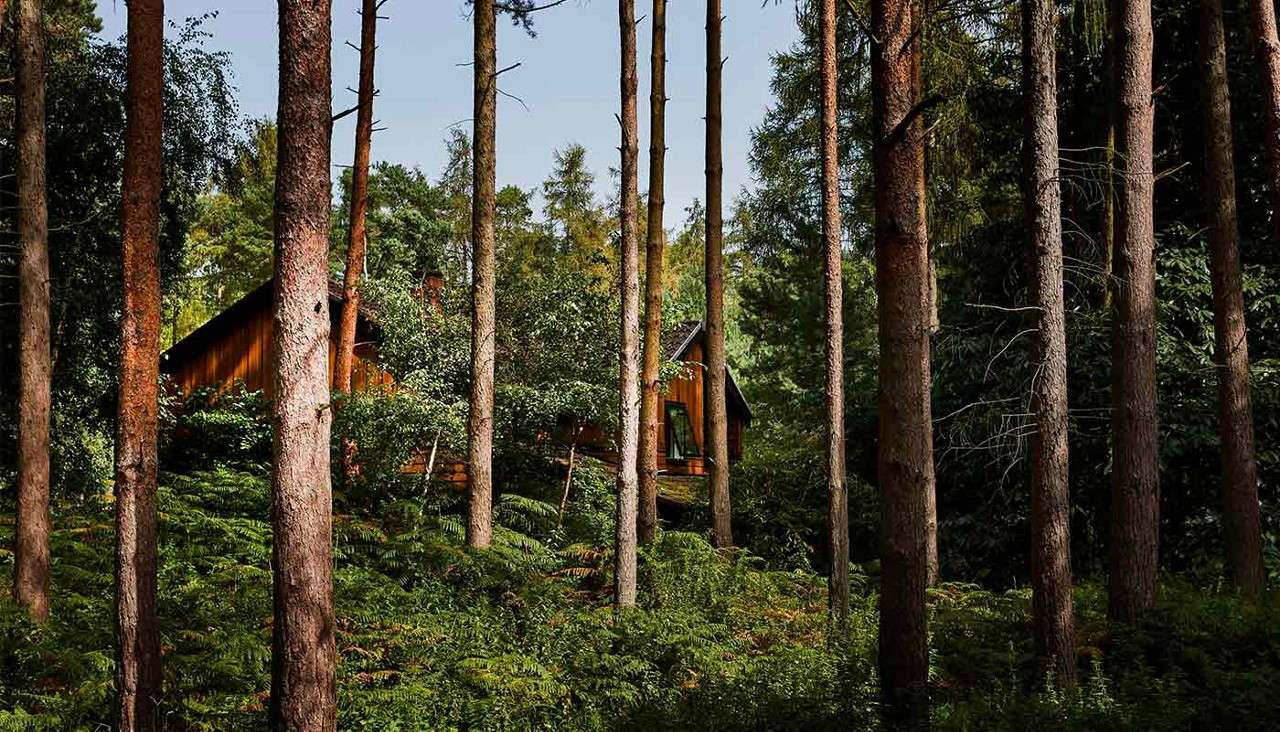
{"x": 433, "y": 636}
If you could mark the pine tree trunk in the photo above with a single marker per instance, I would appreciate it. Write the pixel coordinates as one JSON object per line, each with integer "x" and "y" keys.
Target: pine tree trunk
{"x": 1240, "y": 512}
{"x": 1109, "y": 161}
{"x": 35, "y": 361}
{"x": 838, "y": 498}
{"x": 932, "y": 571}
{"x": 905, "y": 430}
{"x": 1135, "y": 510}
{"x": 647, "y": 523}
{"x": 483, "y": 215}
{"x": 717, "y": 419}
{"x": 624, "y": 577}
{"x": 1051, "y": 583}
{"x": 138, "y": 673}
{"x": 359, "y": 200}
{"x": 1262, "y": 16}
{"x": 303, "y": 652}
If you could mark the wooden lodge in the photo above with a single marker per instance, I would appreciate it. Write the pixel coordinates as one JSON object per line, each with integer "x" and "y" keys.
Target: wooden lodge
{"x": 234, "y": 347}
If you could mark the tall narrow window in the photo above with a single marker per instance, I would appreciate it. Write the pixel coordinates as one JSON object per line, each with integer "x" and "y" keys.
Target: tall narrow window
{"x": 681, "y": 444}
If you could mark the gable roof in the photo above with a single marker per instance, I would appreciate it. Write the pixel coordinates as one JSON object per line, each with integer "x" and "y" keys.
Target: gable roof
{"x": 677, "y": 339}
{"x": 256, "y": 299}
{"x": 676, "y": 342}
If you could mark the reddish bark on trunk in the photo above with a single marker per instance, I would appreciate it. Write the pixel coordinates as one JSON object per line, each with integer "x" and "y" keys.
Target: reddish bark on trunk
{"x": 483, "y": 214}
{"x": 359, "y": 200}
{"x": 655, "y": 244}
{"x": 717, "y": 418}
{"x": 905, "y": 429}
{"x": 833, "y": 260}
{"x": 624, "y": 583}
{"x": 1135, "y": 508}
{"x": 1051, "y": 605}
{"x": 138, "y": 672}
{"x": 303, "y": 651}
{"x": 1240, "y": 511}
{"x": 35, "y": 362}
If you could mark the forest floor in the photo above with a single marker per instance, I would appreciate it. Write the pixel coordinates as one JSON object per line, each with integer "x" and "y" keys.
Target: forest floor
{"x": 434, "y": 637}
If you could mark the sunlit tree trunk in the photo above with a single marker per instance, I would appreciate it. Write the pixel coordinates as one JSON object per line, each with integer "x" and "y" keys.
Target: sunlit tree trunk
{"x": 1262, "y": 16}
{"x": 1135, "y": 507}
{"x": 138, "y": 674}
{"x": 838, "y": 499}
{"x": 1240, "y": 512}
{"x": 359, "y": 200}
{"x": 717, "y": 418}
{"x": 629, "y": 357}
{"x": 35, "y": 361}
{"x": 934, "y": 323}
{"x": 647, "y": 523}
{"x": 303, "y": 653}
{"x": 902, "y": 283}
{"x": 483, "y": 215}
{"x": 1052, "y": 611}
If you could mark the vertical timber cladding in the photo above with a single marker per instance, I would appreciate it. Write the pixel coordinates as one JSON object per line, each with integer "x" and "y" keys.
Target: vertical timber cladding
{"x": 687, "y": 390}
{"x": 236, "y": 346}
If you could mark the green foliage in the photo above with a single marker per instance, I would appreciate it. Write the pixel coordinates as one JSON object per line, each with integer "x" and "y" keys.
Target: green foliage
{"x": 391, "y": 430}
{"x": 432, "y": 635}
{"x": 230, "y": 245}
{"x": 215, "y": 427}
{"x": 85, "y": 92}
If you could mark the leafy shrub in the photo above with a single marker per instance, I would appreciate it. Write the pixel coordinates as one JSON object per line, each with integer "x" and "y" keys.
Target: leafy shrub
{"x": 215, "y": 427}
{"x": 432, "y": 635}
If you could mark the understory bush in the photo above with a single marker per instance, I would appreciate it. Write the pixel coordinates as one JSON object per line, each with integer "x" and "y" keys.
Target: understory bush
{"x": 433, "y": 636}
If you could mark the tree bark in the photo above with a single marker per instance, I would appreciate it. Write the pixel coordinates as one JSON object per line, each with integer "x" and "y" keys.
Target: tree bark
{"x": 483, "y": 215}
{"x": 138, "y": 673}
{"x": 629, "y": 357}
{"x": 1052, "y": 611}
{"x": 931, "y": 568}
{"x": 905, "y": 429}
{"x": 303, "y": 651}
{"x": 655, "y": 243}
{"x": 1240, "y": 511}
{"x": 568, "y": 482}
{"x": 837, "y": 493}
{"x": 359, "y": 200}
{"x": 35, "y": 362}
{"x": 1262, "y": 16}
{"x": 1109, "y": 162}
{"x": 717, "y": 419}
{"x": 1135, "y": 510}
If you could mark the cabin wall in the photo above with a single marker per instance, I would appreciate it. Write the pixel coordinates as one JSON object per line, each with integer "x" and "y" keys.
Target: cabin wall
{"x": 243, "y": 352}
{"x": 686, "y": 389}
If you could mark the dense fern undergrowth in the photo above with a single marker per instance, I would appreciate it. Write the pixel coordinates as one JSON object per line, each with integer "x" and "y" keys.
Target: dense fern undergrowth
{"x": 434, "y": 637}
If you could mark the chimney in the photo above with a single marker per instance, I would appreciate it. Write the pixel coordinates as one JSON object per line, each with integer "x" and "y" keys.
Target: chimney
{"x": 431, "y": 290}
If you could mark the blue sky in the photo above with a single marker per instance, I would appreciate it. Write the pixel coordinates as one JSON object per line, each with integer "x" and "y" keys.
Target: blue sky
{"x": 568, "y": 78}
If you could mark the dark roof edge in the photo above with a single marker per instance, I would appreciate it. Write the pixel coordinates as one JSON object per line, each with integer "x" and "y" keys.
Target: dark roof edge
{"x": 731, "y": 384}
{"x": 192, "y": 341}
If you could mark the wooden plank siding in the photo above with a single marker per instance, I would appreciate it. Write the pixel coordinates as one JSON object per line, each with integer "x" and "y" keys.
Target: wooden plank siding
{"x": 239, "y": 350}
{"x": 686, "y": 389}
{"x": 235, "y": 347}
